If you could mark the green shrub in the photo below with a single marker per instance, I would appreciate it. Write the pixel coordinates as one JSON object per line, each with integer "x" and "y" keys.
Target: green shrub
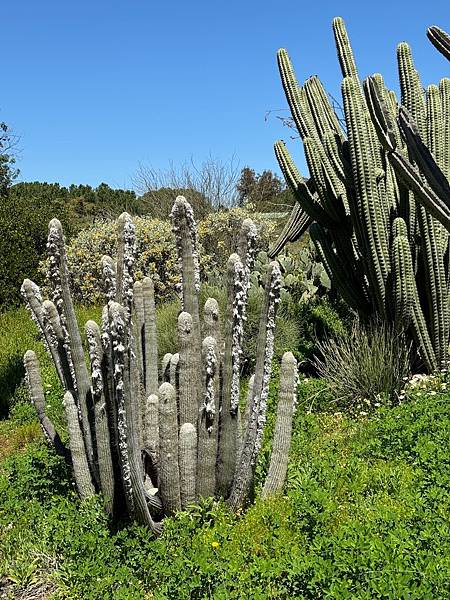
{"x": 365, "y": 367}
{"x": 219, "y": 231}
{"x": 156, "y": 254}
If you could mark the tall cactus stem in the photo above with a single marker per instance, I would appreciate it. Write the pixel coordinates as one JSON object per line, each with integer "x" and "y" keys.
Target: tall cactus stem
{"x": 59, "y": 278}
{"x": 125, "y": 261}
{"x": 188, "y": 393}
{"x": 233, "y": 328}
{"x": 188, "y": 463}
{"x": 169, "y": 473}
{"x": 283, "y": 426}
{"x": 102, "y": 437}
{"x": 208, "y": 419}
{"x": 108, "y": 269}
{"x": 150, "y": 337}
{"x": 37, "y": 396}
{"x": 81, "y": 469}
{"x": 253, "y": 435}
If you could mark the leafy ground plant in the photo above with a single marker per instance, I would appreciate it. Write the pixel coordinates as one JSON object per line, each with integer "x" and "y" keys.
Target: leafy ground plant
{"x": 365, "y": 516}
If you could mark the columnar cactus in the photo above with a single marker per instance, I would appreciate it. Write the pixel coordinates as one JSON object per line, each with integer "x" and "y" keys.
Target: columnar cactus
{"x": 376, "y": 193}
{"x": 154, "y": 443}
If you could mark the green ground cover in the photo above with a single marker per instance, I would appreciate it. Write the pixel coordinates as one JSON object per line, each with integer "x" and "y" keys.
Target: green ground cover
{"x": 366, "y": 513}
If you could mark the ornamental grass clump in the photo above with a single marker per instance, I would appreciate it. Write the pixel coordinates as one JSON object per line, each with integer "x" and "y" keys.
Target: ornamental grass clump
{"x": 365, "y": 368}
{"x": 155, "y": 439}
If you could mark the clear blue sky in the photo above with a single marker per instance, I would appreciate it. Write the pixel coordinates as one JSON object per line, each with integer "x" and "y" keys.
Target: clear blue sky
{"x": 94, "y": 88}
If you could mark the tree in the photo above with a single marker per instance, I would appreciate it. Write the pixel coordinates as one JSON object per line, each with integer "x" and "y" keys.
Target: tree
{"x": 266, "y": 191}
{"x": 7, "y": 160}
{"x": 210, "y": 185}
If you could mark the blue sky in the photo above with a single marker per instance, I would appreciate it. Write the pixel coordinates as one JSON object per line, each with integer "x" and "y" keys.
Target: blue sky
{"x": 95, "y": 88}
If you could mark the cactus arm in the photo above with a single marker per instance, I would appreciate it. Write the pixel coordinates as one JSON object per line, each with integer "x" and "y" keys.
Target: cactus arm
{"x": 138, "y": 304}
{"x": 333, "y": 150}
{"x": 438, "y": 206}
{"x": 343, "y": 279}
{"x": 423, "y": 157}
{"x": 187, "y": 393}
{"x": 283, "y": 427}
{"x": 150, "y": 337}
{"x": 324, "y": 179}
{"x": 248, "y": 403}
{"x": 102, "y": 437}
{"x": 323, "y": 115}
{"x": 292, "y": 91}
{"x": 211, "y": 319}
{"x": 108, "y": 269}
{"x": 81, "y": 470}
{"x": 151, "y": 433}
{"x": 246, "y": 249}
{"x": 169, "y": 474}
{"x": 421, "y": 335}
{"x": 185, "y": 230}
{"x": 37, "y": 396}
{"x": 188, "y": 463}
{"x": 119, "y": 349}
{"x": 125, "y": 261}
{"x": 233, "y": 329}
{"x": 403, "y": 278}
{"x": 412, "y": 97}
{"x": 252, "y": 439}
{"x": 174, "y": 372}
{"x": 435, "y": 125}
{"x": 33, "y": 300}
{"x": 370, "y": 206}
{"x": 440, "y": 40}
{"x": 133, "y": 390}
{"x": 56, "y": 333}
{"x": 293, "y": 230}
{"x": 444, "y": 91}
{"x": 208, "y": 418}
{"x": 344, "y": 49}
{"x": 59, "y": 277}
{"x": 299, "y": 188}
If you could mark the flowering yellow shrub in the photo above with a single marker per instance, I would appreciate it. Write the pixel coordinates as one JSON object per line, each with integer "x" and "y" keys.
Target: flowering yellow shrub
{"x": 219, "y": 231}
{"x": 155, "y": 252}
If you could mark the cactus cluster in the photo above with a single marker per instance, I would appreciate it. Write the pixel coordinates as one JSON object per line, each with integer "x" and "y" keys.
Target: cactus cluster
{"x": 380, "y": 228}
{"x": 154, "y": 440}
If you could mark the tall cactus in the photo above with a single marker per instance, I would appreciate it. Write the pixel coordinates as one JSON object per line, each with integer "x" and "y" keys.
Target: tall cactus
{"x": 159, "y": 441}
{"x": 391, "y": 165}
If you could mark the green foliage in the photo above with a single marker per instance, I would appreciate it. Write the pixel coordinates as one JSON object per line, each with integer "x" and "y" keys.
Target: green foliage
{"x": 18, "y": 333}
{"x": 7, "y": 159}
{"x": 25, "y": 211}
{"x": 366, "y": 516}
{"x": 265, "y": 191}
{"x": 366, "y": 367}
{"x": 37, "y": 473}
{"x": 156, "y": 257}
{"x": 156, "y": 252}
{"x": 219, "y": 231}
{"x": 158, "y": 203}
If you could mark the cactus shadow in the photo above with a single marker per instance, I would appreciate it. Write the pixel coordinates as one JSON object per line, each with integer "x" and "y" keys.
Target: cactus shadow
{"x": 11, "y": 376}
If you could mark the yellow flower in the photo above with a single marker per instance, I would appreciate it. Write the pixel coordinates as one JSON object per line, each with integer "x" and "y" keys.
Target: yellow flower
{"x": 215, "y": 544}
